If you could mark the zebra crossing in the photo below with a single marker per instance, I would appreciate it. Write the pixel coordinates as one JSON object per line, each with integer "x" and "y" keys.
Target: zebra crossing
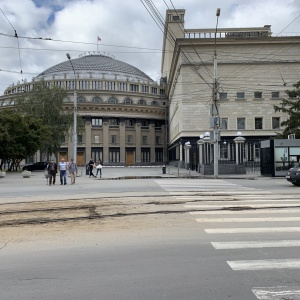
{"x": 228, "y": 209}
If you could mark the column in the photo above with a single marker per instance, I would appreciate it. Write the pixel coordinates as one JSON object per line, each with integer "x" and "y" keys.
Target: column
{"x": 239, "y": 143}
{"x": 122, "y": 141}
{"x": 138, "y": 133}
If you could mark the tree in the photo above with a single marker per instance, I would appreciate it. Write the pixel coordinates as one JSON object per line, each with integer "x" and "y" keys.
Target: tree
{"x": 20, "y": 136}
{"x": 46, "y": 103}
{"x": 291, "y": 106}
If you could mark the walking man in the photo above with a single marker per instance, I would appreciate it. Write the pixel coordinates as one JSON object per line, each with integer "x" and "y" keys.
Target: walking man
{"x": 73, "y": 171}
{"x": 52, "y": 170}
{"x": 63, "y": 172}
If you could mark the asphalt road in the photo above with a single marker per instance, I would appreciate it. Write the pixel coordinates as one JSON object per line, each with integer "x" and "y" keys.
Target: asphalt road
{"x": 160, "y": 238}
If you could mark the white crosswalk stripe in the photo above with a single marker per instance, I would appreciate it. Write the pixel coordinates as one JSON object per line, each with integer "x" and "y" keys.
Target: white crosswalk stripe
{"x": 277, "y": 293}
{"x": 218, "y": 202}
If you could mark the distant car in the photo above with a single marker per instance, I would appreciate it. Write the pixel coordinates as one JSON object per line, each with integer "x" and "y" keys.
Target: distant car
{"x": 38, "y": 166}
{"x": 293, "y": 176}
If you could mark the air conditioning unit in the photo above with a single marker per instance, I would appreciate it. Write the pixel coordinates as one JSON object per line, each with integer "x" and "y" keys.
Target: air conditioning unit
{"x": 291, "y": 136}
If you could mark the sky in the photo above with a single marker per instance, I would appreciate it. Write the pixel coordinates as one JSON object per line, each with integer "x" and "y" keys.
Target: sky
{"x": 48, "y": 29}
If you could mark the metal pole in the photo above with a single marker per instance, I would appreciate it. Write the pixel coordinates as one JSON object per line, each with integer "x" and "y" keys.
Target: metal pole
{"x": 75, "y": 114}
{"x": 215, "y": 106}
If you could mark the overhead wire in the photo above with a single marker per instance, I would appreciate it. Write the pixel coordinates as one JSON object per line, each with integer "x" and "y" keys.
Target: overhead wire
{"x": 169, "y": 35}
{"x": 17, "y": 37}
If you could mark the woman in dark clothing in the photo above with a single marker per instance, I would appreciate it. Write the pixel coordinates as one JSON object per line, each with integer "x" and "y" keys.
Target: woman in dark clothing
{"x": 91, "y": 166}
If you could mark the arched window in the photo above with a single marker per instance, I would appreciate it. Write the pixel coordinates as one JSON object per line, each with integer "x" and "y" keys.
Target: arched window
{"x": 142, "y": 102}
{"x": 128, "y": 101}
{"x": 66, "y": 99}
{"x": 112, "y": 100}
{"x": 97, "y": 99}
{"x": 155, "y": 103}
{"x": 81, "y": 99}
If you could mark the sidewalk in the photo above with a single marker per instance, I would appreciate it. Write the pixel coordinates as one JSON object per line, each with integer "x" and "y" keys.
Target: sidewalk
{"x": 113, "y": 173}
{"x": 157, "y": 172}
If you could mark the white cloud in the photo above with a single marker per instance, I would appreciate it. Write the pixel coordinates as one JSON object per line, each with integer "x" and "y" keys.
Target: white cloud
{"x": 119, "y": 23}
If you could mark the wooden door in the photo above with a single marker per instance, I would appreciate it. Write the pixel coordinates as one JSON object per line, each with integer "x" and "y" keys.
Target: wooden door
{"x": 63, "y": 155}
{"x": 129, "y": 157}
{"x": 80, "y": 159}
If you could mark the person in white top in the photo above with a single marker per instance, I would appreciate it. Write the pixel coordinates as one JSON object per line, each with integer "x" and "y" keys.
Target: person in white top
{"x": 62, "y": 167}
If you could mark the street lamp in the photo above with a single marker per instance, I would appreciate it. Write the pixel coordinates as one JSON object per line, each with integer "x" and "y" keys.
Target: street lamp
{"x": 75, "y": 113}
{"x": 215, "y": 108}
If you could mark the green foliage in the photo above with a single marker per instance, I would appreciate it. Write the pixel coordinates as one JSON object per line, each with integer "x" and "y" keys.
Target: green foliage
{"x": 46, "y": 103}
{"x": 20, "y": 136}
{"x": 291, "y": 106}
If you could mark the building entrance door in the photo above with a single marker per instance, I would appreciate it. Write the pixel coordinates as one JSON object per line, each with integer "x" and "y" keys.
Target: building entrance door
{"x": 80, "y": 159}
{"x": 130, "y": 157}
{"x": 63, "y": 155}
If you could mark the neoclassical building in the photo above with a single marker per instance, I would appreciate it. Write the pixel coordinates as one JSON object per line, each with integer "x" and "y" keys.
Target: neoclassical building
{"x": 254, "y": 69}
{"x": 123, "y": 109}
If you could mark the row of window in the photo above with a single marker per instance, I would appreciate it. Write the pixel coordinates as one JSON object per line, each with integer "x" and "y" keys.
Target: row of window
{"x": 112, "y": 100}
{"x": 130, "y": 139}
{"x": 258, "y": 123}
{"x": 94, "y": 85}
{"x": 114, "y": 155}
{"x": 128, "y": 122}
{"x": 115, "y": 140}
{"x": 242, "y": 95}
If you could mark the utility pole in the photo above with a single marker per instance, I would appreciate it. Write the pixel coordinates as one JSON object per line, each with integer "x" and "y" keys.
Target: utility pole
{"x": 215, "y": 107}
{"x": 75, "y": 113}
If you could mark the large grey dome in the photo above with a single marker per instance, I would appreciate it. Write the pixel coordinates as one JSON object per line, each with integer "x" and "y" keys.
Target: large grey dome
{"x": 97, "y": 63}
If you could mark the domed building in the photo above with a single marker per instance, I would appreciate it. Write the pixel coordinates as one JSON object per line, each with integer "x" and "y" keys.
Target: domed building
{"x": 123, "y": 109}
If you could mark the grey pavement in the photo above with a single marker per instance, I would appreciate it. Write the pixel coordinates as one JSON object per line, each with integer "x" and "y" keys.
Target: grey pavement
{"x": 110, "y": 173}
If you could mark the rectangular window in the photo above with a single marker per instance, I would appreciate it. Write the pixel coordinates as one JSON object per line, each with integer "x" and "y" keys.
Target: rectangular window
{"x": 114, "y": 155}
{"x": 224, "y": 150}
{"x": 97, "y": 139}
{"x": 240, "y": 95}
{"x": 145, "y": 155}
{"x": 145, "y": 123}
{"x": 96, "y": 85}
{"x": 130, "y": 139}
{"x": 158, "y": 140}
{"x": 110, "y": 86}
{"x": 134, "y": 88}
{"x": 96, "y": 122}
{"x": 257, "y": 95}
{"x": 129, "y": 122}
{"x": 159, "y": 155}
{"x": 223, "y": 96}
{"x": 241, "y": 123}
{"x": 97, "y": 154}
{"x": 158, "y": 125}
{"x": 79, "y": 139}
{"x": 162, "y": 92}
{"x": 154, "y": 90}
{"x": 258, "y": 123}
{"x": 123, "y": 86}
{"x": 113, "y": 122}
{"x": 145, "y": 89}
{"x": 144, "y": 140}
{"x": 275, "y": 123}
{"x": 224, "y": 123}
{"x": 113, "y": 139}
{"x": 275, "y": 95}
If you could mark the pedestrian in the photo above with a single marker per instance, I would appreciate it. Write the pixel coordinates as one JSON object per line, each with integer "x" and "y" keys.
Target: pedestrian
{"x": 63, "y": 171}
{"x": 99, "y": 167}
{"x": 72, "y": 167}
{"x": 91, "y": 166}
{"x": 52, "y": 170}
